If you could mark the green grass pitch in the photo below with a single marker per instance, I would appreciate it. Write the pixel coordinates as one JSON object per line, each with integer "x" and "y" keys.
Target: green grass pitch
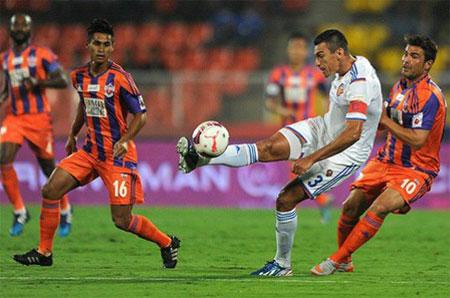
{"x": 410, "y": 257}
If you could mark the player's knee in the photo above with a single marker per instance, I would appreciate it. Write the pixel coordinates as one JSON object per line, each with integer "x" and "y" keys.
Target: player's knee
{"x": 284, "y": 202}
{"x": 121, "y": 222}
{"x": 267, "y": 151}
{"x": 49, "y": 191}
{"x": 380, "y": 209}
{"x": 350, "y": 209}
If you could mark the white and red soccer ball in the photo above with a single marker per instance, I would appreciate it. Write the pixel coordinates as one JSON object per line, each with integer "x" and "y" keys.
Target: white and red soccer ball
{"x": 210, "y": 139}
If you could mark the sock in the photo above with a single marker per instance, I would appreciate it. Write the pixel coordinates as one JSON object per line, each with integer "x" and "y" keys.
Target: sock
{"x": 237, "y": 156}
{"x": 344, "y": 228}
{"x": 48, "y": 223}
{"x": 11, "y": 186}
{"x": 145, "y": 229}
{"x": 286, "y": 226}
{"x": 362, "y": 232}
{"x": 65, "y": 205}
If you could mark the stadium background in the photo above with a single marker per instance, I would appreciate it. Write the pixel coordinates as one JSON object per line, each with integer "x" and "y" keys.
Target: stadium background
{"x": 198, "y": 60}
{"x": 201, "y": 60}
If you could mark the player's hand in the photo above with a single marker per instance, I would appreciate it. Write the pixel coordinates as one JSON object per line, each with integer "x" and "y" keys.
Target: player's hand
{"x": 301, "y": 166}
{"x": 71, "y": 145}
{"x": 29, "y": 83}
{"x": 120, "y": 149}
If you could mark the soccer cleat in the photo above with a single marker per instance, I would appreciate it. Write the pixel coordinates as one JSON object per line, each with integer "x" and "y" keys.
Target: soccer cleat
{"x": 345, "y": 267}
{"x": 169, "y": 254}
{"x": 327, "y": 267}
{"x": 272, "y": 268}
{"x": 189, "y": 158}
{"x": 19, "y": 221}
{"x": 33, "y": 257}
{"x": 65, "y": 223}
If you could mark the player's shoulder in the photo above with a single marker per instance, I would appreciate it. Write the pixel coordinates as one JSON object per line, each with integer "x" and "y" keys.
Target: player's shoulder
{"x": 79, "y": 69}
{"x": 42, "y": 50}
{"x": 362, "y": 66}
{"x": 119, "y": 72}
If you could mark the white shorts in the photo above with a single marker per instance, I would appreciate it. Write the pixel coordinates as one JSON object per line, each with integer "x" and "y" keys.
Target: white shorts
{"x": 307, "y": 136}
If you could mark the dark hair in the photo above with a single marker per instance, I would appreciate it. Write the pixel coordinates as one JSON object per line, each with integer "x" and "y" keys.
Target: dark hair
{"x": 334, "y": 38}
{"x": 99, "y": 26}
{"x": 427, "y": 44}
{"x": 298, "y": 35}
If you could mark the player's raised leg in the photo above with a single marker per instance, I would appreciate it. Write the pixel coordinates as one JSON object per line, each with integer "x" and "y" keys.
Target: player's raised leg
{"x": 65, "y": 222}
{"x": 274, "y": 148}
{"x": 59, "y": 183}
{"x": 10, "y": 184}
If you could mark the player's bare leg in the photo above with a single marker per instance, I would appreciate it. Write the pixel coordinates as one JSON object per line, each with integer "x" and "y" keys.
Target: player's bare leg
{"x": 8, "y": 152}
{"x": 389, "y": 201}
{"x": 65, "y": 222}
{"x": 286, "y": 226}
{"x": 59, "y": 183}
{"x": 144, "y": 228}
{"x": 274, "y": 148}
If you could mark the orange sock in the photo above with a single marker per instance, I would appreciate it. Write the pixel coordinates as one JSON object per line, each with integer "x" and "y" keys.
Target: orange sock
{"x": 11, "y": 186}
{"x": 48, "y": 224}
{"x": 64, "y": 203}
{"x": 344, "y": 228}
{"x": 361, "y": 233}
{"x": 144, "y": 228}
{"x": 322, "y": 200}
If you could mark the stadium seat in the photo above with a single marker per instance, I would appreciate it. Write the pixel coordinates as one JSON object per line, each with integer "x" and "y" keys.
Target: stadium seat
{"x": 246, "y": 59}
{"x": 74, "y": 36}
{"x": 47, "y": 35}
{"x": 194, "y": 60}
{"x": 389, "y": 59}
{"x": 125, "y": 36}
{"x": 149, "y": 34}
{"x": 220, "y": 58}
{"x": 174, "y": 36}
{"x": 4, "y": 37}
{"x": 199, "y": 34}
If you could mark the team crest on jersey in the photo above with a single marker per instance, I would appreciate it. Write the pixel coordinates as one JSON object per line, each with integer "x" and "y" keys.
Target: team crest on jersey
{"x": 32, "y": 61}
{"x": 95, "y": 107}
{"x": 109, "y": 90}
{"x": 329, "y": 173}
{"x": 340, "y": 90}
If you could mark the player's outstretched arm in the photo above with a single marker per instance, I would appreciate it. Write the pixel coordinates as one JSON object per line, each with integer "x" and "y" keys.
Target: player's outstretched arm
{"x": 137, "y": 122}
{"x": 416, "y": 138}
{"x": 348, "y": 137}
{"x": 77, "y": 124}
{"x": 56, "y": 79}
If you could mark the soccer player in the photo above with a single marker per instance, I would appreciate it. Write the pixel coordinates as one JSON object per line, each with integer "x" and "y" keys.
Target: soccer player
{"x": 292, "y": 94}
{"x": 406, "y": 165}
{"x": 107, "y": 94}
{"x": 29, "y": 70}
{"x": 324, "y": 150}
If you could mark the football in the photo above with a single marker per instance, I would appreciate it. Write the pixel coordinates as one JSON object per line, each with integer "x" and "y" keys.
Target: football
{"x": 210, "y": 139}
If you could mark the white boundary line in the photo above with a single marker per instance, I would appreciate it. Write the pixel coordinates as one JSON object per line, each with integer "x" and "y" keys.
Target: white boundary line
{"x": 212, "y": 279}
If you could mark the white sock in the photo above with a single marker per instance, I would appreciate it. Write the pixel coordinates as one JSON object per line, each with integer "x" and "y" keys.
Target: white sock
{"x": 286, "y": 226}
{"x": 237, "y": 156}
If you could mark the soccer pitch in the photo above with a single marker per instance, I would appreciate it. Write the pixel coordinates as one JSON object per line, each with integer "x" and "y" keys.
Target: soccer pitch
{"x": 410, "y": 256}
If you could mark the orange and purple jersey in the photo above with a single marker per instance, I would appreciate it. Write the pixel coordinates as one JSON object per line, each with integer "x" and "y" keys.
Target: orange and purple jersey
{"x": 107, "y": 98}
{"x": 421, "y": 106}
{"x": 33, "y": 62}
{"x": 296, "y": 89}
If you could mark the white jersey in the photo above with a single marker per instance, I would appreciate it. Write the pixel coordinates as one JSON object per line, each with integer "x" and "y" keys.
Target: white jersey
{"x": 359, "y": 85}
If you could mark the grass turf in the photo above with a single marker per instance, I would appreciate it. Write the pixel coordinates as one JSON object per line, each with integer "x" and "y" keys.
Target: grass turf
{"x": 410, "y": 256}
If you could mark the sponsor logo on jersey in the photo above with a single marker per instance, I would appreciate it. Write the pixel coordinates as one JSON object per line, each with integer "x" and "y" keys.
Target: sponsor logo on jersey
{"x": 93, "y": 88}
{"x": 16, "y": 76}
{"x": 141, "y": 102}
{"x": 17, "y": 60}
{"x": 95, "y": 107}
{"x": 109, "y": 90}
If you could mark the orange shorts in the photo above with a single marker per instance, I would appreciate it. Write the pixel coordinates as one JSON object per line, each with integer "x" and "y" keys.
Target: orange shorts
{"x": 123, "y": 183}
{"x": 35, "y": 128}
{"x": 377, "y": 176}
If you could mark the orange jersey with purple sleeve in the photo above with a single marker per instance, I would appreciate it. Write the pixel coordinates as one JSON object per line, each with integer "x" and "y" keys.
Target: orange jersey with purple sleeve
{"x": 422, "y": 106}
{"x": 33, "y": 62}
{"x": 296, "y": 89}
{"x": 107, "y": 99}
